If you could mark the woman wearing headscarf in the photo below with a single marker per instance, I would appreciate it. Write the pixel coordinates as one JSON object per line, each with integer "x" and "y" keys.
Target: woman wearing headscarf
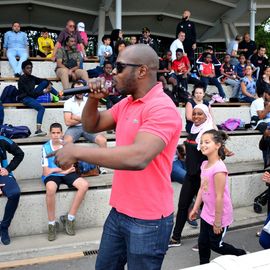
{"x": 202, "y": 121}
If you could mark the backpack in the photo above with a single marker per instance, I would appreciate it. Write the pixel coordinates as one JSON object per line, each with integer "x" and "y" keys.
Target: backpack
{"x": 85, "y": 169}
{"x": 44, "y": 98}
{"x": 10, "y": 94}
{"x": 14, "y": 132}
{"x": 231, "y": 124}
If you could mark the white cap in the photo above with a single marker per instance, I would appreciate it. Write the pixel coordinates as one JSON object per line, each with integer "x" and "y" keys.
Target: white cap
{"x": 80, "y": 26}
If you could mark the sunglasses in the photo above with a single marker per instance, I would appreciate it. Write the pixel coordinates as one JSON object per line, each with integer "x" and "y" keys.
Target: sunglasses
{"x": 121, "y": 66}
{"x": 72, "y": 25}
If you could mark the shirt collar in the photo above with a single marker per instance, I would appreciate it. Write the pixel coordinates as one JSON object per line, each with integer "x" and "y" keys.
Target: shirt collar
{"x": 154, "y": 91}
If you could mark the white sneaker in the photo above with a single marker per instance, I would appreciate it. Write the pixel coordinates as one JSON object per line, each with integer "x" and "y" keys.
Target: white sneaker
{"x": 226, "y": 99}
{"x": 102, "y": 170}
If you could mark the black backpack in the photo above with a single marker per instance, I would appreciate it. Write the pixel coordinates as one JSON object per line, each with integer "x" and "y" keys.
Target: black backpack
{"x": 9, "y": 94}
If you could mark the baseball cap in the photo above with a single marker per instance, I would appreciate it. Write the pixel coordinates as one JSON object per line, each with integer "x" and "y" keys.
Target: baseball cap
{"x": 80, "y": 26}
{"x": 210, "y": 47}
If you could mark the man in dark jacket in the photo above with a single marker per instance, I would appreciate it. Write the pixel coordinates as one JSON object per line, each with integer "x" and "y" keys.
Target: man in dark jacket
{"x": 188, "y": 27}
{"x": 8, "y": 184}
{"x": 27, "y": 93}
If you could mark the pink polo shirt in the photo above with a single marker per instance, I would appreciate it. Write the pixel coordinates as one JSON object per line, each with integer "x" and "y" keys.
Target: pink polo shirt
{"x": 146, "y": 194}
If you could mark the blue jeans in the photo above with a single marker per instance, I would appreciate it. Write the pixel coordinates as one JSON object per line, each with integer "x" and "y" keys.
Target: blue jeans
{"x": 1, "y": 113}
{"x": 17, "y": 65}
{"x": 33, "y": 103}
{"x": 247, "y": 99}
{"x": 142, "y": 244}
{"x": 178, "y": 171}
{"x": 12, "y": 191}
{"x": 265, "y": 237}
{"x": 214, "y": 81}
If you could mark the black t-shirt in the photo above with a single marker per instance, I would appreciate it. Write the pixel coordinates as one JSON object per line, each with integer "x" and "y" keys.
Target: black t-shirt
{"x": 259, "y": 61}
{"x": 251, "y": 46}
{"x": 194, "y": 158}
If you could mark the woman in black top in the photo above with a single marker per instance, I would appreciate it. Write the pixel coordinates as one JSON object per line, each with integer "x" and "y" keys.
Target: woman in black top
{"x": 197, "y": 98}
{"x": 202, "y": 121}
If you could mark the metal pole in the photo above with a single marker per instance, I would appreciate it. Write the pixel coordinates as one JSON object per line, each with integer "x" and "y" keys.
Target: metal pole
{"x": 118, "y": 14}
{"x": 101, "y": 24}
{"x": 252, "y": 18}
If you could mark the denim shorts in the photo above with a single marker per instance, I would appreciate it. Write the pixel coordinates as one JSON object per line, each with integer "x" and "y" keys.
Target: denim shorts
{"x": 77, "y": 131}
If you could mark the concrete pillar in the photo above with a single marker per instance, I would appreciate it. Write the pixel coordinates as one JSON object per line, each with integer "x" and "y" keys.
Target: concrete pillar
{"x": 252, "y": 18}
{"x": 227, "y": 33}
{"x": 101, "y": 24}
{"x": 233, "y": 29}
{"x": 118, "y": 14}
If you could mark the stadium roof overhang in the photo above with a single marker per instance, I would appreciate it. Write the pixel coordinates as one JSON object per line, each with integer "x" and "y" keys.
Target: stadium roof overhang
{"x": 216, "y": 20}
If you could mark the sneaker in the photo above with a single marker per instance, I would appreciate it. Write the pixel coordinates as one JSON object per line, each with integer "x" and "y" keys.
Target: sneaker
{"x": 193, "y": 223}
{"x": 174, "y": 243}
{"x": 69, "y": 226}
{"x": 39, "y": 132}
{"x": 5, "y": 236}
{"x": 195, "y": 248}
{"x": 102, "y": 170}
{"x": 52, "y": 230}
{"x": 258, "y": 233}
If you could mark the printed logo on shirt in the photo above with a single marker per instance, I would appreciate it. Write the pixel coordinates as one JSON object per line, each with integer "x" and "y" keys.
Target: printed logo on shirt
{"x": 135, "y": 121}
{"x": 205, "y": 185}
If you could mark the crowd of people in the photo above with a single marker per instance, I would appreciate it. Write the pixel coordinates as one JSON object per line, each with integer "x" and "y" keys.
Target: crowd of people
{"x": 138, "y": 228}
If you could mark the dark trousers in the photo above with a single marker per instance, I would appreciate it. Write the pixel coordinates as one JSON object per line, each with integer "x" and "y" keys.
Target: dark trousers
{"x": 209, "y": 240}
{"x": 12, "y": 191}
{"x": 189, "y": 189}
{"x": 214, "y": 81}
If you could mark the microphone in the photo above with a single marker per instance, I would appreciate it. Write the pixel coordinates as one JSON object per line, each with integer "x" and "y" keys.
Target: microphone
{"x": 75, "y": 90}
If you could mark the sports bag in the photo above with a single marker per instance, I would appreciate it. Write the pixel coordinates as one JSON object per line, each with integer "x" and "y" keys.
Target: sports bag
{"x": 46, "y": 98}
{"x": 85, "y": 169}
{"x": 9, "y": 94}
{"x": 231, "y": 124}
{"x": 14, "y": 132}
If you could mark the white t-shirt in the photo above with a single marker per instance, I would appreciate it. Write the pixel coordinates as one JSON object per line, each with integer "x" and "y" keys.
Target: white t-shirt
{"x": 75, "y": 107}
{"x": 177, "y": 44}
{"x": 233, "y": 46}
{"x": 258, "y": 105}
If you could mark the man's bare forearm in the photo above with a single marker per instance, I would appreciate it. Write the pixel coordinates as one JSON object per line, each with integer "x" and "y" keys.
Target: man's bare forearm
{"x": 90, "y": 115}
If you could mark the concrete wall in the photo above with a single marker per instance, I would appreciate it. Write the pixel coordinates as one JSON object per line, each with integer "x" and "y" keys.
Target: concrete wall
{"x": 42, "y": 69}
{"x": 27, "y": 117}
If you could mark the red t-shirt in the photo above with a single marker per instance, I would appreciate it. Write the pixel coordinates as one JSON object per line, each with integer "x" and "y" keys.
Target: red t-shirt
{"x": 181, "y": 66}
{"x": 146, "y": 194}
{"x": 207, "y": 68}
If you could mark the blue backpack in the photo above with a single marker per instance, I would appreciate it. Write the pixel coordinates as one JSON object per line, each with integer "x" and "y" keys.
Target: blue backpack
{"x": 14, "y": 132}
{"x": 9, "y": 94}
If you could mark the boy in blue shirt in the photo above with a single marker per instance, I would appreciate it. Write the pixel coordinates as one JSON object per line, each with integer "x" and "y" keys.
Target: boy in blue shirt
{"x": 105, "y": 50}
{"x": 52, "y": 177}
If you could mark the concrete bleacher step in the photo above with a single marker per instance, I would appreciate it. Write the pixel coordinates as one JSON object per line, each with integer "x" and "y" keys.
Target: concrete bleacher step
{"x": 56, "y": 84}
{"x": 27, "y": 116}
{"x": 88, "y": 240}
{"x": 31, "y": 215}
{"x": 42, "y": 69}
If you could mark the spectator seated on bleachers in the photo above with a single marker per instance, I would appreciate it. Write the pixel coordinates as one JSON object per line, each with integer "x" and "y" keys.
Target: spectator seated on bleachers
{"x": 27, "y": 93}
{"x": 260, "y": 61}
{"x": 248, "y": 87}
{"x": 45, "y": 44}
{"x": 264, "y": 81}
{"x": 228, "y": 75}
{"x": 247, "y": 46}
{"x": 105, "y": 50}
{"x": 68, "y": 62}
{"x": 215, "y": 61}
{"x": 208, "y": 75}
{"x": 119, "y": 46}
{"x": 232, "y": 49}
{"x": 181, "y": 67}
{"x": 16, "y": 44}
{"x": 179, "y": 165}
{"x": 165, "y": 68}
{"x": 53, "y": 177}
{"x": 69, "y": 31}
{"x": 114, "y": 96}
{"x": 260, "y": 110}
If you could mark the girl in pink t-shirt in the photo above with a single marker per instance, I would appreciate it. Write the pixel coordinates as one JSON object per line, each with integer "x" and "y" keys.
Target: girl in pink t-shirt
{"x": 217, "y": 211}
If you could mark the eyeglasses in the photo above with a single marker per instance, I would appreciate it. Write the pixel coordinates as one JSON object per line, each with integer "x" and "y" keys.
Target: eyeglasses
{"x": 121, "y": 66}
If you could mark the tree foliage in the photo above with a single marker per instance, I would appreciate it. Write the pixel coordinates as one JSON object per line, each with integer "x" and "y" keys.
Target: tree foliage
{"x": 262, "y": 36}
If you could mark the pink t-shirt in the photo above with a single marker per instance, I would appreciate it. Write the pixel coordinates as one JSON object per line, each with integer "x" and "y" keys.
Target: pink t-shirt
{"x": 209, "y": 194}
{"x": 146, "y": 194}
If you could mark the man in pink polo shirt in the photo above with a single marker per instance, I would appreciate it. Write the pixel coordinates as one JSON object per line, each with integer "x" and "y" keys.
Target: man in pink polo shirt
{"x": 148, "y": 127}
